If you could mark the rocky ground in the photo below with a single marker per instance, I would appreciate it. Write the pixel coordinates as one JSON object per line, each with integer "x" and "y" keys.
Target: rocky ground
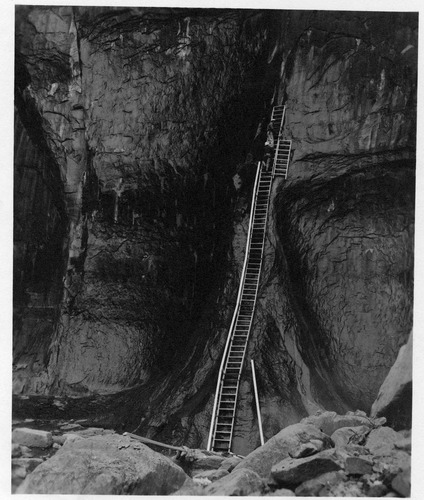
{"x": 323, "y": 455}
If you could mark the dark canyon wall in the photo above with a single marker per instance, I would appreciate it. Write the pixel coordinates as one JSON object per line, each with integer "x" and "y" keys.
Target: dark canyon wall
{"x": 129, "y": 234}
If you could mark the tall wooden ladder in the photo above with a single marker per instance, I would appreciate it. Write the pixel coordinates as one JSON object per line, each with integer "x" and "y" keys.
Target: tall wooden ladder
{"x": 224, "y": 408}
{"x": 280, "y": 165}
{"x": 223, "y": 417}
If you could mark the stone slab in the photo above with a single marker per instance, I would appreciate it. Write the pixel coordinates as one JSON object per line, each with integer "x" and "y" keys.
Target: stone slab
{"x": 33, "y": 438}
{"x": 292, "y": 472}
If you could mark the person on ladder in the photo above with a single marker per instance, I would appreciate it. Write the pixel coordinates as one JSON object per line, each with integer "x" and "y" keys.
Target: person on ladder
{"x": 269, "y": 147}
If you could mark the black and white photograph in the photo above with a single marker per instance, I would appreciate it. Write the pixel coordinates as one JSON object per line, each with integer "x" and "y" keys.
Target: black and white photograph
{"x": 213, "y": 282}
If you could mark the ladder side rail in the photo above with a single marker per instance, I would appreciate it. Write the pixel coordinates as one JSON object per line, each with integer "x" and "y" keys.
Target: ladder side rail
{"x": 280, "y": 133}
{"x": 288, "y": 159}
{"x": 230, "y": 333}
{"x": 258, "y": 407}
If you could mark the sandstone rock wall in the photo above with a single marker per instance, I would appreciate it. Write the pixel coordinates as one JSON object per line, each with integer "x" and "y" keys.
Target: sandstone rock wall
{"x": 145, "y": 114}
{"x": 148, "y": 114}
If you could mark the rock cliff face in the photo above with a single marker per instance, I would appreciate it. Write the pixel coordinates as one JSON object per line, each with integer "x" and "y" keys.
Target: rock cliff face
{"x": 130, "y": 124}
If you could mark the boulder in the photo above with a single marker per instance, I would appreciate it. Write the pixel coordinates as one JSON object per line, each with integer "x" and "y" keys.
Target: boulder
{"x": 18, "y": 473}
{"x": 279, "y": 447}
{"x": 70, "y": 427}
{"x": 381, "y": 441}
{"x": 71, "y": 438}
{"x": 211, "y": 462}
{"x": 16, "y": 450}
{"x": 354, "y": 450}
{"x": 292, "y": 472}
{"x": 404, "y": 444}
{"x": 32, "y": 438}
{"x": 394, "y": 399}
{"x": 307, "y": 449}
{"x": 230, "y": 462}
{"x": 312, "y": 487}
{"x": 378, "y": 489}
{"x": 109, "y": 464}
{"x": 93, "y": 431}
{"x": 29, "y": 464}
{"x": 349, "y": 435}
{"x": 26, "y": 451}
{"x": 402, "y": 483}
{"x": 358, "y": 466}
{"x": 240, "y": 482}
{"x": 329, "y": 421}
{"x": 59, "y": 439}
{"x": 392, "y": 464}
{"x": 344, "y": 489}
